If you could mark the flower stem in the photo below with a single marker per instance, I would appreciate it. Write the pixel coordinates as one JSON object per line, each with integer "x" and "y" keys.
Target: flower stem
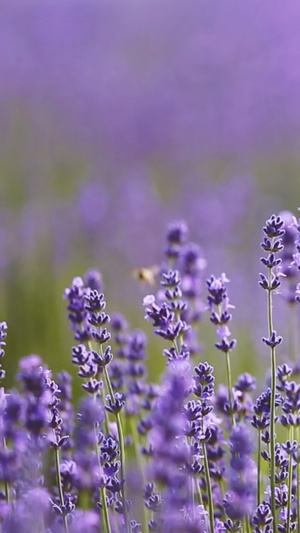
{"x": 258, "y": 467}
{"x": 208, "y": 489}
{"x": 122, "y": 451}
{"x": 229, "y": 388}
{"x": 291, "y": 438}
{"x": 105, "y": 515}
{"x": 272, "y": 407}
{"x": 199, "y": 493}
{"x": 6, "y": 484}
{"x": 272, "y": 436}
{"x": 104, "y": 510}
{"x": 247, "y": 522}
{"x": 106, "y": 420}
{"x": 59, "y": 486}
{"x": 298, "y": 480}
{"x": 140, "y": 463}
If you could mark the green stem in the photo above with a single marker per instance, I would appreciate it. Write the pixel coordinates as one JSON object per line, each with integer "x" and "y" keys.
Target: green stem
{"x": 105, "y": 514}
{"x": 122, "y": 451}
{"x": 59, "y": 486}
{"x": 6, "y": 484}
{"x": 106, "y": 420}
{"x": 229, "y": 384}
{"x": 6, "y": 488}
{"x": 272, "y": 437}
{"x": 247, "y": 522}
{"x": 298, "y": 480}
{"x": 140, "y": 462}
{"x": 258, "y": 467}
{"x": 291, "y": 438}
{"x": 209, "y": 490}
{"x": 200, "y": 500}
{"x": 104, "y": 510}
{"x": 199, "y": 493}
{"x": 176, "y": 346}
{"x": 272, "y": 410}
{"x": 191, "y": 481}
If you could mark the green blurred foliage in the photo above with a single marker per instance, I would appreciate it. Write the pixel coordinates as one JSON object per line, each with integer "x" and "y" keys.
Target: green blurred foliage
{"x": 32, "y": 288}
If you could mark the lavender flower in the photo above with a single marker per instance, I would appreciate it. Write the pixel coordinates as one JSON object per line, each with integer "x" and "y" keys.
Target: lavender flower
{"x": 239, "y": 503}
{"x": 219, "y": 307}
{"x": 170, "y": 451}
{"x": 289, "y": 249}
{"x": 272, "y": 245}
{"x": 167, "y": 317}
{"x": 136, "y": 456}
{"x": 3, "y": 335}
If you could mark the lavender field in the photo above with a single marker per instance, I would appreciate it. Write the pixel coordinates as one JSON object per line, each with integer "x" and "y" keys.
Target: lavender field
{"x": 149, "y": 266}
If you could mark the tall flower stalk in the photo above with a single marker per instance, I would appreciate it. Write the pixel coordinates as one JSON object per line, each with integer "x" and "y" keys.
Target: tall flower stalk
{"x": 57, "y": 442}
{"x": 219, "y": 307}
{"x": 97, "y": 318}
{"x": 272, "y": 245}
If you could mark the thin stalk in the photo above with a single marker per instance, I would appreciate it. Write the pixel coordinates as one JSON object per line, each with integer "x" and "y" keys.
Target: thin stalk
{"x": 180, "y": 341}
{"x": 199, "y": 493}
{"x": 59, "y": 486}
{"x": 176, "y": 346}
{"x": 104, "y": 510}
{"x": 106, "y": 421}
{"x": 291, "y": 438}
{"x": 272, "y": 410}
{"x": 6, "y": 488}
{"x": 209, "y": 490}
{"x": 200, "y": 500}
{"x": 298, "y": 480}
{"x": 272, "y": 436}
{"x": 122, "y": 450}
{"x": 229, "y": 384}
{"x": 105, "y": 514}
{"x": 140, "y": 462}
{"x": 222, "y": 486}
{"x": 258, "y": 467}
{"x": 191, "y": 481}
{"x": 6, "y": 484}
{"x": 247, "y": 522}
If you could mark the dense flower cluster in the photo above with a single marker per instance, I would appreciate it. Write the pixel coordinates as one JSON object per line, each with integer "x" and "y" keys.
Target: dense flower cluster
{"x": 140, "y": 457}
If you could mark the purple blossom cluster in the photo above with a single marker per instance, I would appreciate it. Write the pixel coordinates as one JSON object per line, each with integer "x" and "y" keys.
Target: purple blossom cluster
{"x": 177, "y": 456}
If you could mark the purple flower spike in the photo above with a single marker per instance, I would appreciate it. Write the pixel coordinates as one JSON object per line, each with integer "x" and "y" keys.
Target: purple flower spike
{"x": 3, "y": 335}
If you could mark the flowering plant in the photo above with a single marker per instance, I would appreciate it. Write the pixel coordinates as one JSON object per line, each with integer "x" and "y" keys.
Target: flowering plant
{"x": 136, "y": 456}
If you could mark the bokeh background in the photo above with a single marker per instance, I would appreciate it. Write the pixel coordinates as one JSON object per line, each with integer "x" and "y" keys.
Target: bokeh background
{"x": 118, "y": 117}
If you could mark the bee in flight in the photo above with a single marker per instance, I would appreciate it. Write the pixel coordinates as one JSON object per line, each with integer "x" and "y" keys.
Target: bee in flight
{"x": 146, "y": 275}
